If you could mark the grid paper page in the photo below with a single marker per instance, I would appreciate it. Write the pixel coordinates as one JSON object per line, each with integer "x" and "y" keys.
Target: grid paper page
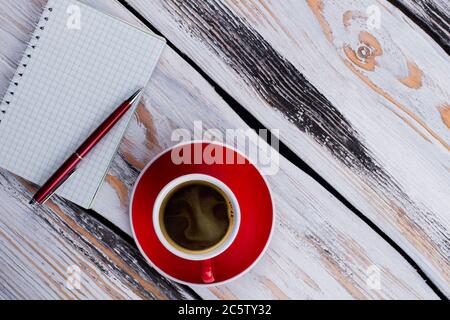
{"x": 69, "y": 84}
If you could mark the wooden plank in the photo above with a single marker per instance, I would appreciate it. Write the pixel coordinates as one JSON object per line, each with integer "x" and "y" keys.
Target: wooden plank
{"x": 432, "y": 15}
{"x": 38, "y": 246}
{"x": 320, "y": 249}
{"x": 367, "y": 107}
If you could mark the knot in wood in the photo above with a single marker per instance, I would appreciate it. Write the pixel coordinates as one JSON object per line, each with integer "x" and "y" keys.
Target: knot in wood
{"x": 364, "y": 52}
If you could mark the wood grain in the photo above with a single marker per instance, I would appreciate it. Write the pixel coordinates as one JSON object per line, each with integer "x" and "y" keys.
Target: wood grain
{"x": 432, "y": 15}
{"x": 314, "y": 253}
{"x": 38, "y": 245}
{"x": 362, "y": 107}
{"x": 320, "y": 248}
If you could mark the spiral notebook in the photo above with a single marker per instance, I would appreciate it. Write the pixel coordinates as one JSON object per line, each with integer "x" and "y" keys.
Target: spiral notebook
{"x": 79, "y": 66}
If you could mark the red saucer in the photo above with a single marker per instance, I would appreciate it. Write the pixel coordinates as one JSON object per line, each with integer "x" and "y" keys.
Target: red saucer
{"x": 257, "y": 216}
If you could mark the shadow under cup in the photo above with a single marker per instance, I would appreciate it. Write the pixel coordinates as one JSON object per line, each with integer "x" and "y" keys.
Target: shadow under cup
{"x": 196, "y": 217}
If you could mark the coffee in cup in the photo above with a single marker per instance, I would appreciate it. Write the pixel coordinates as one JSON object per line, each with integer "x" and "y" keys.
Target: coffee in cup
{"x": 196, "y": 217}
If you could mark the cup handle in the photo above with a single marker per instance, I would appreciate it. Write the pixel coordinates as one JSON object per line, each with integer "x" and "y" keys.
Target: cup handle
{"x": 207, "y": 271}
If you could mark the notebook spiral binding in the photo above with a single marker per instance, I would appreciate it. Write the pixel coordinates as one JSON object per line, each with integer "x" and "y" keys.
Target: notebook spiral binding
{"x": 32, "y": 45}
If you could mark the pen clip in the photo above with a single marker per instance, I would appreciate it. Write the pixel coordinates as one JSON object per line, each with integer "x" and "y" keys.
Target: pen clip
{"x": 59, "y": 185}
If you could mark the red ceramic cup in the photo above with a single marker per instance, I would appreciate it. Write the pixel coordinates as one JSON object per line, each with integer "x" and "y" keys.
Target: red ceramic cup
{"x": 252, "y": 198}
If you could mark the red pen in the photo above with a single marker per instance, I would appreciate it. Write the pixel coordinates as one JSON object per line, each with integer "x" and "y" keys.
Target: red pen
{"x": 70, "y": 166}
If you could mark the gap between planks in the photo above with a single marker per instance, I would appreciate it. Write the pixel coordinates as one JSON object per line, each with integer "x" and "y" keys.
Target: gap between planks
{"x": 284, "y": 150}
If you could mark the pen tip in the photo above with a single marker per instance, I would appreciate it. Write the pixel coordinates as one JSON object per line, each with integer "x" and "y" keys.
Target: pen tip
{"x": 136, "y": 95}
{"x": 33, "y": 201}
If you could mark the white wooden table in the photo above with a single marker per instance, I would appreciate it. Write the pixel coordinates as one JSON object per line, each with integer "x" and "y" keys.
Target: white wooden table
{"x": 364, "y": 181}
